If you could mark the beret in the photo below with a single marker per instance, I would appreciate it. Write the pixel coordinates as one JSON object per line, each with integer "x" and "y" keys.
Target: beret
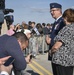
{"x": 55, "y": 5}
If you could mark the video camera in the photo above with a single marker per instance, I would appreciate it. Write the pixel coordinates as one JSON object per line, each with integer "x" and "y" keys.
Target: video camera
{"x": 7, "y": 11}
{"x": 3, "y": 11}
{"x": 9, "y": 19}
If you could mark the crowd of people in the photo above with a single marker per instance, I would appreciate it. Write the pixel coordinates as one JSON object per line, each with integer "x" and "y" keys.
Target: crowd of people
{"x": 59, "y": 36}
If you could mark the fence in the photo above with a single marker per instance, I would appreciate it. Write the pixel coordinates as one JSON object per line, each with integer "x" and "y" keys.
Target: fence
{"x": 37, "y": 44}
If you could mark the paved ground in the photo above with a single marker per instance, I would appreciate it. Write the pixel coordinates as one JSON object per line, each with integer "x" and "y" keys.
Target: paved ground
{"x": 40, "y": 66}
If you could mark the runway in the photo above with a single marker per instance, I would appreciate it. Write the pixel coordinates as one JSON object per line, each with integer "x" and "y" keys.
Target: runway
{"x": 39, "y": 66}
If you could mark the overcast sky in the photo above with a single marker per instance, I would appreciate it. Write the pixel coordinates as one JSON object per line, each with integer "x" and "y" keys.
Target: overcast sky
{"x": 34, "y": 10}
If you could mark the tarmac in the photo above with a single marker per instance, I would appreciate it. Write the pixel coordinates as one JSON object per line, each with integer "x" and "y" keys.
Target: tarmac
{"x": 39, "y": 66}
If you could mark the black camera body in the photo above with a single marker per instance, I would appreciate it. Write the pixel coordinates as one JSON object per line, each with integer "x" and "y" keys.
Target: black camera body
{"x": 33, "y": 54}
{"x": 9, "y": 61}
{"x": 7, "y": 11}
{"x": 9, "y": 19}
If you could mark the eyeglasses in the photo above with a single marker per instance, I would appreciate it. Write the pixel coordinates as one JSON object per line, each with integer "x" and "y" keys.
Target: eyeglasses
{"x": 54, "y": 10}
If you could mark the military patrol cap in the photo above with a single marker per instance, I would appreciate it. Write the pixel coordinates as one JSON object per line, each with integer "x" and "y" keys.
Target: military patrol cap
{"x": 55, "y": 5}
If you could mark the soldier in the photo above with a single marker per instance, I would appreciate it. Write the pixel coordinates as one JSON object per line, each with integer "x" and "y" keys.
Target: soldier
{"x": 56, "y": 12}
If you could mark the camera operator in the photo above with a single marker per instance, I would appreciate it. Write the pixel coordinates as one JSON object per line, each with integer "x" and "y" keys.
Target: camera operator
{"x": 13, "y": 46}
